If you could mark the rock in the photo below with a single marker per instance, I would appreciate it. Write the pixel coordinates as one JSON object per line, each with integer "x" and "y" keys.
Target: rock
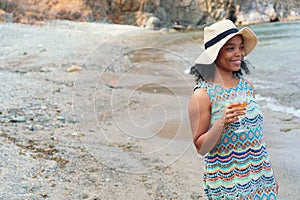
{"x": 219, "y": 14}
{"x": 6, "y": 17}
{"x": 44, "y": 195}
{"x": 286, "y": 129}
{"x": 31, "y": 128}
{"x": 61, "y": 118}
{"x": 252, "y": 17}
{"x": 113, "y": 84}
{"x": 152, "y": 23}
{"x": 44, "y": 69}
{"x": 142, "y": 17}
{"x": 18, "y": 119}
{"x": 51, "y": 184}
{"x": 178, "y": 27}
{"x": 287, "y": 118}
{"x": 153, "y": 13}
{"x": 74, "y": 68}
{"x": 270, "y": 11}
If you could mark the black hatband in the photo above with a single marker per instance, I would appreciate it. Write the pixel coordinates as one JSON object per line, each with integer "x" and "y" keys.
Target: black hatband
{"x": 220, "y": 37}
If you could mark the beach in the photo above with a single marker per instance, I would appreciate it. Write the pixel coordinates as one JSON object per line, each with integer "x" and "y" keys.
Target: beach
{"x": 98, "y": 111}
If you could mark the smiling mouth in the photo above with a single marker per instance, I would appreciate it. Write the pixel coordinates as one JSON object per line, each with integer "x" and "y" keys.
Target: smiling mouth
{"x": 237, "y": 62}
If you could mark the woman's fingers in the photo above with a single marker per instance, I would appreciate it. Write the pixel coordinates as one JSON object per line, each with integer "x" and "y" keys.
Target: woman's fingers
{"x": 233, "y": 111}
{"x": 230, "y": 120}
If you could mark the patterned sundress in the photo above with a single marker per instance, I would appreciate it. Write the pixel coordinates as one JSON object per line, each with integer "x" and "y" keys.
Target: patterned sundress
{"x": 238, "y": 167}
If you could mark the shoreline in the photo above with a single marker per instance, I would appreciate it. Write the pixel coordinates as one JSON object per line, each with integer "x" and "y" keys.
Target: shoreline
{"x": 106, "y": 131}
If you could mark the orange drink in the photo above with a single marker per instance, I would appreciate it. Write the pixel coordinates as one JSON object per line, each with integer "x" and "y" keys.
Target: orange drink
{"x": 243, "y": 104}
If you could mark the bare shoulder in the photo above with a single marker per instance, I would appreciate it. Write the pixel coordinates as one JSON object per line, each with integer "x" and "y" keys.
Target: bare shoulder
{"x": 201, "y": 95}
{"x": 199, "y": 99}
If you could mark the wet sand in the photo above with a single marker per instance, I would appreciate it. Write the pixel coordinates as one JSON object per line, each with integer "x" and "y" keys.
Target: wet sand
{"x": 117, "y": 129}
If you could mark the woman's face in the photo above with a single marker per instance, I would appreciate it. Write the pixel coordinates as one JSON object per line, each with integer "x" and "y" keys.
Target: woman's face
{"x": 231, "y": 54}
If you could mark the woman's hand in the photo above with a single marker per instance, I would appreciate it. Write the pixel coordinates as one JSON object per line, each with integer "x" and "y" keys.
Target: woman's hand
{"x": 233, "y": 111}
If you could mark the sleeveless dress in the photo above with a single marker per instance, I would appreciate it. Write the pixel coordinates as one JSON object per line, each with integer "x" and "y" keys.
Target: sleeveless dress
{"x": 238, "y": 167}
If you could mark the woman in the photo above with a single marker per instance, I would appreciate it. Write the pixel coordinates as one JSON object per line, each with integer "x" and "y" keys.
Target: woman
{"x": 236, "y": 163}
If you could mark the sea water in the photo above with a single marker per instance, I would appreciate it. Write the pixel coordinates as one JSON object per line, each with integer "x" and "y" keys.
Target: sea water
{"x": 276, "y": 76}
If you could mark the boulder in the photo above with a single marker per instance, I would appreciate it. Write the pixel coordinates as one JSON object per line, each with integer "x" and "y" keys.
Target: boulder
{"x": 152, "y": 23}
{"x": 6, "y": 17}
{"x": 270, "y": 12}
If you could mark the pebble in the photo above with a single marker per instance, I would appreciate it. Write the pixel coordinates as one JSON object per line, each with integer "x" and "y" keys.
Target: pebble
{"x": 18, "y": 119}
{"x": 44, "y": 195}
{"x": 44, "y": 69}
{"x": 51, "y": 184}
{"x": 61, "y": 118}
{"x": 74, "y": 68}
{"x": 31, "y": 128}
{"x": 75, "y": 134}
{"x": 286, "y": 129}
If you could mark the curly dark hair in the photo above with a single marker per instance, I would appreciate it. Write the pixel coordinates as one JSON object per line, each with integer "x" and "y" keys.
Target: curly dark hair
{"x": 206, "y": 72}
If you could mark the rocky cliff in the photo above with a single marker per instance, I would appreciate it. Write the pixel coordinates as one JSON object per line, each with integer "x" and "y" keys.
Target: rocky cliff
{"x": 154, "y": 13}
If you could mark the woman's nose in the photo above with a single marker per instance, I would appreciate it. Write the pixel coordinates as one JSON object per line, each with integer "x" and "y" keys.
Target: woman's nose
{"x": 239, "y": 53}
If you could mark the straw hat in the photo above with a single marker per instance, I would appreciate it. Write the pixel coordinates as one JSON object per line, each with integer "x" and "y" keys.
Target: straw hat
{"x": 216, "y": 35}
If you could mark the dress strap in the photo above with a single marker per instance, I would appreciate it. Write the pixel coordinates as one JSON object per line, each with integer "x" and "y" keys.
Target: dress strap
{"x": 202, "y": 85}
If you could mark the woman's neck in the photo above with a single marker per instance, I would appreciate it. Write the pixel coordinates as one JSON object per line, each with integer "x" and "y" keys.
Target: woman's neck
{"x": 225, "y": 79}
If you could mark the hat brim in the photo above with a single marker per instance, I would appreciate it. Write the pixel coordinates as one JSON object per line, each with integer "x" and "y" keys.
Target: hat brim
{"x": 209, "y": 55}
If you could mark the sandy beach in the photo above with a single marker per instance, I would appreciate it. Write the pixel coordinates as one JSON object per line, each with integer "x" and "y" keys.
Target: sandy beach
{"x": 116, "y": 127}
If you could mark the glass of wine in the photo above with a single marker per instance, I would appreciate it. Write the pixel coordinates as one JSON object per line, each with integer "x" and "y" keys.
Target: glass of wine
{"x": 242, "y": 98}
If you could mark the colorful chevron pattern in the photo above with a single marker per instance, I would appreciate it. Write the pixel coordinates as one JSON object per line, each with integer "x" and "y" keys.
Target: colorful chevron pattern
{"x": 239, "y": 166}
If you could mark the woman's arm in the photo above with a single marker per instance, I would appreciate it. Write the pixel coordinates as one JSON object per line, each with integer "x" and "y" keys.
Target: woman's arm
{"x": 205, "y": 138}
